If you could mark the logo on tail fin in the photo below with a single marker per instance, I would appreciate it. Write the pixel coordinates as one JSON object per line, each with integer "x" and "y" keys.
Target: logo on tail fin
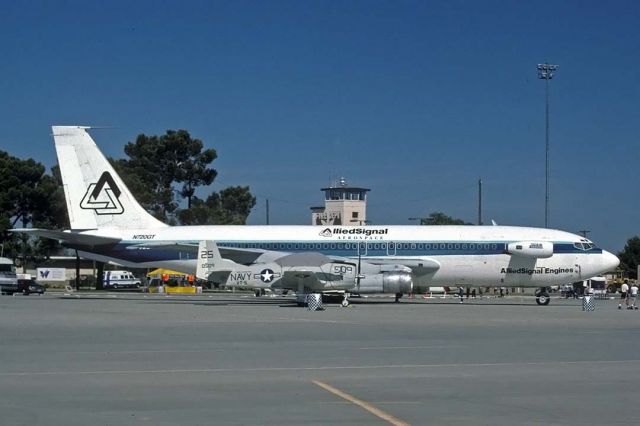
{"x": 103, "y": 196}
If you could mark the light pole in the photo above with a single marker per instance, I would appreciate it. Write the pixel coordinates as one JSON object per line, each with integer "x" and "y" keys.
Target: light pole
{"x": 479, "y": 201}
{"x": 545, "y": 72}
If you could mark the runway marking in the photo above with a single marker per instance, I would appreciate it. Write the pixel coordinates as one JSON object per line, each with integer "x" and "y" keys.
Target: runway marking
{"x": 321, "y": 368}
{"x": 390, "y": 348}
{"x": 188, "y": 351}
{"x": 150, "y": 351}
{"x": 362, "y": 404}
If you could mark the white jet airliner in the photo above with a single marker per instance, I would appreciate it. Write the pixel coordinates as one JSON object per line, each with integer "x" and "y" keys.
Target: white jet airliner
{"x": 108, "y": 224}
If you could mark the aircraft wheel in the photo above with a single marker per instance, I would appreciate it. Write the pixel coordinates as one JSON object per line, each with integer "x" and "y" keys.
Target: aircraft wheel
{"x": 543, "y": 299}
{"x": 345, "y": 303}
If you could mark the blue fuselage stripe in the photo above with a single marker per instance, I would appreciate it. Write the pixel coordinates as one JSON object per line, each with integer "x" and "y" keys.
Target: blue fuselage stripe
{"x": 133, "y": 251}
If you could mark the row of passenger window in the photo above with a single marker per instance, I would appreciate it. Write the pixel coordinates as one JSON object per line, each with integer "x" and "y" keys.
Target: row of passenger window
{"x": 366, "y": 246}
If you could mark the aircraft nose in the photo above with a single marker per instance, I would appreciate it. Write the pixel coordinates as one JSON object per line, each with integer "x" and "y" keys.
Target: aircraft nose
{"x": 609, "y": 261}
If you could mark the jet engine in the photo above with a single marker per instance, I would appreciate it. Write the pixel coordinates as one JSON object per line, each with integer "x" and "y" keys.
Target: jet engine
{"x": 533, "y": 249}
{"x": 397, "y": 282}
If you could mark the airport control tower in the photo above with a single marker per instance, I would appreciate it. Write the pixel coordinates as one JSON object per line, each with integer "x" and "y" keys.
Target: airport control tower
{"x": 343, "y": 205}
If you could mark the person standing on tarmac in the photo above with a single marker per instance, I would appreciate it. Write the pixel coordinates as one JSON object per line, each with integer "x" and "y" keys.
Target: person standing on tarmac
{"x": 624, "y": 289}
{"x": 633, "y": 295}
{"x": 460, "y": 293}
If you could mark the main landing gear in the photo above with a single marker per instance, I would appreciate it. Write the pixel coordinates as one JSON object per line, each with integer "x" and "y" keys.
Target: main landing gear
{"x": 345, "y": 301}
{"x": 542, "y": 296}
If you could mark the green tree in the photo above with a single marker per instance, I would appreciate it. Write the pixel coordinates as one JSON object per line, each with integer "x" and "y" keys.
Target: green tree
{"x": 630, "y": 256}
{"x": 439, "y": 218}
{"x": 231, "y": 206}
{"x": 147, "y": 187}
{"x": 192, "y": 163}
{"x": 157, "y": 163}
{"x": 28, "y": 197}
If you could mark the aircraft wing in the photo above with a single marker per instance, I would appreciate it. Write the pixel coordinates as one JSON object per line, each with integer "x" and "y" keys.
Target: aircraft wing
{"x": 312, "y": 280}
{"x": 303, "y": 259}
{"x": 305, "y": 268}
{"x": 75, "y": 238}
{"x": 417, "y": 264}
{"x": 243, "y": 256}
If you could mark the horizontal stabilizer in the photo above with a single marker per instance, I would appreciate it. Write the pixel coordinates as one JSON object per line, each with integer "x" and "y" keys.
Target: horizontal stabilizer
{"x": 73, "y": 238}
{"x": 164, "y": 245}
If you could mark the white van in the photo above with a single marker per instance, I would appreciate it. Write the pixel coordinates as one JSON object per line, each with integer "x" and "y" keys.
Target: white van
{"x": 8, "y": 277}
{"x": 120, "y": 279}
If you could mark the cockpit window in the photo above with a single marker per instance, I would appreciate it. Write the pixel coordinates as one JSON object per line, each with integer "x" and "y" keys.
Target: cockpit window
{"x": 585, "y": 245}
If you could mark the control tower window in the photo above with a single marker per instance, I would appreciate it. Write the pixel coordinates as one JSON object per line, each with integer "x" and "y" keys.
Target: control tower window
{"x": 334, "y": 195}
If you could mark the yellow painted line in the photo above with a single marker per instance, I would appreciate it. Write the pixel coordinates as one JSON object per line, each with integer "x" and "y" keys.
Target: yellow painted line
{"x": 362, "y": 404}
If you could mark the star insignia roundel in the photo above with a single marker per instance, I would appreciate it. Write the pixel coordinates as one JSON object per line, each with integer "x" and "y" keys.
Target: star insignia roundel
{"x": 266, "y": 276}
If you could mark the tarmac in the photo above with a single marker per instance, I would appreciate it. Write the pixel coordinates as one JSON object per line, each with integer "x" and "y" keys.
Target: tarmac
{"x": 224, "y": 359}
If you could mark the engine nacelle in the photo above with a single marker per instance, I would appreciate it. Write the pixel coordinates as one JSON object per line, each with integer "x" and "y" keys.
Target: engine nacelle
{"x": 397, "y": 282}
{"x": 534, "y": 249}
{"x": 387, "y": 282}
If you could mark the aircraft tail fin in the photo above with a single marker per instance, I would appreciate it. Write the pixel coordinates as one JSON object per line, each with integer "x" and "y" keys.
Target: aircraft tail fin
{"x": 96, "y": 196}
{"x": 210, "y": 262}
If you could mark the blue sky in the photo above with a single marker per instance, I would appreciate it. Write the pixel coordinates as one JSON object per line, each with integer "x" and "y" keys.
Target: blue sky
{"x": 415, "y": 100}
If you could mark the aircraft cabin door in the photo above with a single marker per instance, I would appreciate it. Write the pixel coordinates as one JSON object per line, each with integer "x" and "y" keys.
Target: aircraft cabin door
{"x": 391, "y": 249}
{"x": 578, "y": 270}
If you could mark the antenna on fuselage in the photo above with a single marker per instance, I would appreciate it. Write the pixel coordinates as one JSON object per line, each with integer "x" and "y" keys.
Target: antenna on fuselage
{"x": 359, "y": 276}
